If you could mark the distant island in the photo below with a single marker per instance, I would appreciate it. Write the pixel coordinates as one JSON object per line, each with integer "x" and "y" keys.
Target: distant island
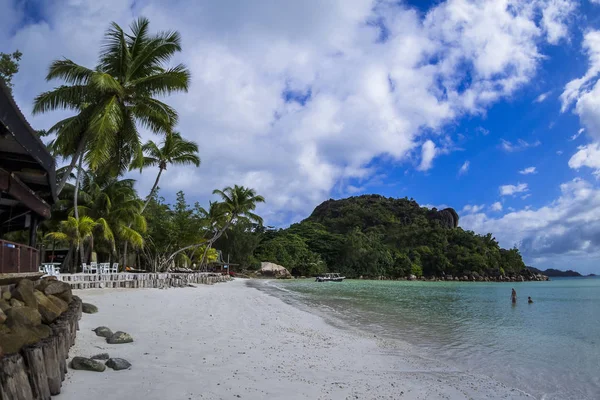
{"x": 377, "y": 237}
{"x": 556, "y": 273}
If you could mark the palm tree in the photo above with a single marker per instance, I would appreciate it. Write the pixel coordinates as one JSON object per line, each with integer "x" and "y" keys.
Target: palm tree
{"x": 174, "y": 150}
{"x": 116, "y": 201}
{"x": 77, "y": 232}
{"x": 113, "y": 98}
{"x": 238, "y": 204}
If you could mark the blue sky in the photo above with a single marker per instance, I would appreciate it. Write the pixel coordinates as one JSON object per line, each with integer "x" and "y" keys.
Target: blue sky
{"x": 490, "y": 107}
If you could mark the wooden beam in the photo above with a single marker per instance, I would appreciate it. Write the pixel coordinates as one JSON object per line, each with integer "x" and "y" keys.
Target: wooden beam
{"x": 17, "y": 189}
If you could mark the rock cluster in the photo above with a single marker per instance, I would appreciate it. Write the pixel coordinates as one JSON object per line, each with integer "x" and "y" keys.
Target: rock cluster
{"x": 27, "y": 309}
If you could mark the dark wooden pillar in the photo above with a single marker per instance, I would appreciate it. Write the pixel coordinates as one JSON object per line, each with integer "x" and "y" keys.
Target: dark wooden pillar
{"x": 33, "y": 230}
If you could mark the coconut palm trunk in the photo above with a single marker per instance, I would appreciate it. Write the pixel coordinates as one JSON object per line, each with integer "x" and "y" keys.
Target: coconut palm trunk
{"x": 160, "y": 171}
{"x": 76, "y": 209}
{"x": 76, "y": 156}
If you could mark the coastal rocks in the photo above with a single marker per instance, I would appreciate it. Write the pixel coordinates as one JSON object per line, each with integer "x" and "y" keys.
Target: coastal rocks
{"x": 47, "y": 308}
{"x": 119, "y": 338}
{"x": 60, "y": 303}
{"x": 412, "y": 277}
{"x": 23, "y": 316}
{"x": 56, "y": 288}
{"x": 87, "y": 364}
{"x": 6, "y": 296}
{"x": 103, "y": 331}
{"x": 89, "y": 308}
{"x": 118, "y": 364}
{"x": 24, "y": 292}
{"x": 2, "y": 317}
{"x": 101, "y": 356}
{"x": 274, "y": 270}
{"x": 16, "y": 303}
{"x": 4, "y": 305}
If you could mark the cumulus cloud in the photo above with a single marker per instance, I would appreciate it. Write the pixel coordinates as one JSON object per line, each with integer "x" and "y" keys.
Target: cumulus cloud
{"x": 566, "y": 229}
{"x": 587, "y": 156}
{"x": 576, "y": 135}
{"x": 292, "y": 98}
{"x": 464, "y": 168}
{"x": 520, "y": 145}
{"x": 428, "y": 152}
{"x": 528, "y": 171}
{"x": 511, "y": 190}
{"x": 497, "y": 206}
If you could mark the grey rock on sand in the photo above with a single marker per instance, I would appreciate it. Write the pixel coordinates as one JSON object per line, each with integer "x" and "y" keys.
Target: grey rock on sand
{"x": 119, "y": 337}
{"x": 118, "y": 364}
{"x": 89, "y": 308}
{"x": 101, "y": 356}
{"x": 103, "y": 331}
{"x": 86, "y": 364}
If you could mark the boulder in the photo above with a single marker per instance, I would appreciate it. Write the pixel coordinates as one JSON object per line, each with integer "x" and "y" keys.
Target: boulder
{"x": 23, "y": 316}
{"x": 11, "y": 342}
{"x": 16, "y": 303}
{"x": 55, "y": 287}
{"x": 21, "y": 336}
{"x": 103, "y": 331}
{"x": 271, "y": 269}
{"x": 67, "y": 296}
{"x": 101, "y": 356}
{"x": 47, "y": 308}
{"x": 86, "y": 364}
{"x": 60, "y": 303}
{"x": 119, "y": 337}
{"x": 4, "y": 329}
{"x": 4, "y": 305}
{"x": 118, "y": 364}
{"x": 89, "y": 308}
{"x": 412, "y": 277}
{"x": 6, "y": 295}
{"x": 24, "y": 292}
{"x": 2, "y": 317}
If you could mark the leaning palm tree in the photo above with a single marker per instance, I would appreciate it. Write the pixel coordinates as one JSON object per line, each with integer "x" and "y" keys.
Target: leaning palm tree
{"x": 238, "y": 204}
{"x": 174, "y": 150}
{"x": 111, "y": 100}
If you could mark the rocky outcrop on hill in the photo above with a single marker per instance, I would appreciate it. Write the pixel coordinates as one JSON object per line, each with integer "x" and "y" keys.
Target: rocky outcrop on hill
{"x": 273, "y": 270}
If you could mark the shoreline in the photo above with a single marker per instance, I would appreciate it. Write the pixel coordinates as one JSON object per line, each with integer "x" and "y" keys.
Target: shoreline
{"x": 234, "y": 341}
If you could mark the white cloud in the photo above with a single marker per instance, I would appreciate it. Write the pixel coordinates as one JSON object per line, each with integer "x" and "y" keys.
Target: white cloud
{"x": 365, "y": 97}
{"x": 587, "y": 156}
{"x": 554, "y": 234}
{"x": 542, "y": 97}
{"x": 553, "y": 21}
{"x": 579, "y": 132}
{"x": 559, "y": 152}
{"x": 482, "y": 130}
{"x": 519, "y": 146}
{"x": 464, "y": 168}
{"x": 526, "y": 196}
{"x": 497, "y": 206}
{"x": 511, "y": 190}
{"x": 472, "y": 209}
{"x": 428, "y": 152}
{"x": 528, "y": 171}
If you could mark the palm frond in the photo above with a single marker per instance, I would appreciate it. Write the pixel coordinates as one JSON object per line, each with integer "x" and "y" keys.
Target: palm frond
{"x": 70, "y": 72}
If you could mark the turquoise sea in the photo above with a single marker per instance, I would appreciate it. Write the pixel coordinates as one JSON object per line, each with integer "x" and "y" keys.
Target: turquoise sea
{"x": 549, "y": 349}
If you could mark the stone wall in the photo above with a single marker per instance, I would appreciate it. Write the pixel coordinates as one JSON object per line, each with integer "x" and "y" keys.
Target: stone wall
{"x": 36, "y": 371}
{"x": 141, "y": 280}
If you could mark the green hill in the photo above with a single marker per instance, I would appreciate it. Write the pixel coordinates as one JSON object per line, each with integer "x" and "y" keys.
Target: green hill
{"x": 374, "y": 236}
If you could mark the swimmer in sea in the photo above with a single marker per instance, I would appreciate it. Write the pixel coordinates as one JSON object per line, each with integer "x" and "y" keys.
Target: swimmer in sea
{"x": 513, "y": 296}
{"x": 529, "y": 300}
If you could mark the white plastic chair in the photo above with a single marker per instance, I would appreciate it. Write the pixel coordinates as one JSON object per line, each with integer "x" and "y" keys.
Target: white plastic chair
{"x": 115, "y": 268}
{"x": 104, "y": 268}
{"x": 93, "y": 267}
{"x": 85, "y": 269}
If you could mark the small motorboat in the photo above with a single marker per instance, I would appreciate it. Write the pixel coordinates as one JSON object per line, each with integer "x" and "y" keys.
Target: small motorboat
{"x": 330, "y": 277}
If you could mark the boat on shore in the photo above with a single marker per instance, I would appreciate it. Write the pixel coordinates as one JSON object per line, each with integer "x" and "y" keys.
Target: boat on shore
{"x": 330, "y": 277}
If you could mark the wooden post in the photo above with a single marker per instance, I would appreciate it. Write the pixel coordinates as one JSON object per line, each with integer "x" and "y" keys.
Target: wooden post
{"x": 13, "y": 378}
{"x": 38, "y": 378}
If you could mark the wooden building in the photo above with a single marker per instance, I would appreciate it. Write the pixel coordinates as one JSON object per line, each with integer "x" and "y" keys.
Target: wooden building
{"x": 27, "y": 185}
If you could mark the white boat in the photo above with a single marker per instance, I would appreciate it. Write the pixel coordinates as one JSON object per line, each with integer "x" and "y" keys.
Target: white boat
{"x": 330, "y": 277}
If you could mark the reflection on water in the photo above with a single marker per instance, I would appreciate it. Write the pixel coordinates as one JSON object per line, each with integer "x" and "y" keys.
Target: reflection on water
{"x": 550, "y": 348}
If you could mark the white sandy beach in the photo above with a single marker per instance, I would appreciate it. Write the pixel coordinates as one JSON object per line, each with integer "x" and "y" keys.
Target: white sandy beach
{"x": 230, "y": 341}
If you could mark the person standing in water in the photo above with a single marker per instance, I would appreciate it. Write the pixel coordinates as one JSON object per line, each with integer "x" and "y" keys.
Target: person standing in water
{"x": 529, "y": 300}
{"x": 513, "y": 296}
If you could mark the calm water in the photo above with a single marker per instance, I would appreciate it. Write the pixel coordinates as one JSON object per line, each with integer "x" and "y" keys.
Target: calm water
{"x": 550, "y": 349}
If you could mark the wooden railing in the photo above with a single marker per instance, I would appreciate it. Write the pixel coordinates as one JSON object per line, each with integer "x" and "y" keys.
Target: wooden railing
{"x": 17, "y": 258}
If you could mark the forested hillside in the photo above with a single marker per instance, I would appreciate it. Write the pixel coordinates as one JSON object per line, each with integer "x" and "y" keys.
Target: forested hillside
{"x": 373, "y": 236}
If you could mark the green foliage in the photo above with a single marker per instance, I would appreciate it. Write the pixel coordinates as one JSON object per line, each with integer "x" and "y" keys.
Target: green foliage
{"x": 374, "y": 236}
{"x": 9, "y": 66}
{"x": 292, "y": 252}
